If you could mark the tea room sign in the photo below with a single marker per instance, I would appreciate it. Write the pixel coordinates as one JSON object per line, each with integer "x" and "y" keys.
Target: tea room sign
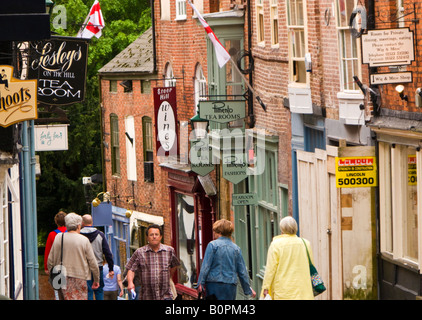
{"x": 61, "y": 70}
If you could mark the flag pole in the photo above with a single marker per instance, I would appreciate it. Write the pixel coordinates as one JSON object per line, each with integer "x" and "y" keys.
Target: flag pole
{"x": 248, "y": 84}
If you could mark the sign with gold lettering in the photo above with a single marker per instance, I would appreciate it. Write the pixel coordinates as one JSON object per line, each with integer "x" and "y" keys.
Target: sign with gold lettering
{"x": 18, "y": 98}
{"x": 61, "y": 70}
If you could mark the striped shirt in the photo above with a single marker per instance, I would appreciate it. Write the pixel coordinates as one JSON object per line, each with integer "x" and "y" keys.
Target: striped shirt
{"x": 154, "y": 270}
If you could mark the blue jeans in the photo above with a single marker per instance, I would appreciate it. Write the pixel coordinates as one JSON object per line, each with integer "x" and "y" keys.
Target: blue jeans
{"x": 99, "y": 293}
{"x": 223, "y": 291}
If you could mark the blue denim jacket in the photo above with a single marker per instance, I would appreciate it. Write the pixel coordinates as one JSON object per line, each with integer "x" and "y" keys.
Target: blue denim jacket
{"x": 223, "y": 262}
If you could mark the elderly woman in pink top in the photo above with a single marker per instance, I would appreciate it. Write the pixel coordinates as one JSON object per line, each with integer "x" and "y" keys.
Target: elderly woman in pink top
{"x": 78, "y": 261}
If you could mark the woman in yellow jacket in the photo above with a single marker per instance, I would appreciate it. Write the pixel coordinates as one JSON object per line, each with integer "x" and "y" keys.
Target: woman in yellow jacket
{"x": 287, "y": 274}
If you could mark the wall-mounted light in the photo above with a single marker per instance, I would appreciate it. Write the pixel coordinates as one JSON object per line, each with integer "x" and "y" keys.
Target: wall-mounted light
{"x": 96, "y": 202}
{"x": 199, "y": 127}
{"x": 400, "y": 89}
{"x": 128, "y": 211}
{"x": 418, "y": 97}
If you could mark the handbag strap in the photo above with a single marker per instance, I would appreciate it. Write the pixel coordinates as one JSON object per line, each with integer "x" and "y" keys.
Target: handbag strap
{"x": 61, "y": 253}
{"x": 309, "y": 258}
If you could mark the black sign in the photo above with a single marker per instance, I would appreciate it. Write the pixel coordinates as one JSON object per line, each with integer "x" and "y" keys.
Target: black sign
{"x": 60, "y": 67}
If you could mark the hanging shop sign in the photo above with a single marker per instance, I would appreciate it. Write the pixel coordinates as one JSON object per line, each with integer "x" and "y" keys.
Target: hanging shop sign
{"x": 61, "y": 70}
{"x": 222, "y": 111}
{"x": 356, "y": 172}
{"x": 391, "y": 78}
{"x": 51, "y": 137}
{"x": 244, "y": 199}
{"x": 235, "y": 167}
{"x": 201, "y": 157}
{"x": 388, "y": 47}
{"x": 165, "y": 109}
{"x": 18, "y": 98}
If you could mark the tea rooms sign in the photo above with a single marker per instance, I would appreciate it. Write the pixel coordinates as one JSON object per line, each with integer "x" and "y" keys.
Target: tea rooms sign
{"x": 18, "y": 98}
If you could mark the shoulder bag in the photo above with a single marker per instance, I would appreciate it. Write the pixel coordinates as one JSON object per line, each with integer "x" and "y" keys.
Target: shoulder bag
{"x": 318, "y": 286}
{"x": 56, "y": 271}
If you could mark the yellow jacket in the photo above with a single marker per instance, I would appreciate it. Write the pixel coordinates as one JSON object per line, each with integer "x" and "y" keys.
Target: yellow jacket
{"x": 287, "y": 274}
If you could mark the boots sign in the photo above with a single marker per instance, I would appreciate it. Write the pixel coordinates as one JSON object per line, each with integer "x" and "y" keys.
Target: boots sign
{"x": 18, "y": 98}
{"x": 60, "y": 67}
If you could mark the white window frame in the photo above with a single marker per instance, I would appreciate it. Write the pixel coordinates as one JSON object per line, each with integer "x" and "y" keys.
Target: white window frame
{"x": 260, "y": 27}
{"x": 169, "y": 76}
{"x": 292, "y": 29}
{"x": 344, "y": 34}
{"x": 180, "y": 9}
{"x": 200, "y": 86}
{"x": 393, "y": 202}
{"x": 130, "y": 148}
{"x": 274, "y": 17}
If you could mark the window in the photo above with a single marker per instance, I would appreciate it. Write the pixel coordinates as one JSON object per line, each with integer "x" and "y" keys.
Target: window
{"x": 260, "y": 21}
{"x": 186, "y": 229}
{"x": 399, "y": 213}
{"x": 274, "y": 23}
{"x": 169, "y": 77}
{"x": 145, "y": 87}
{"x": 115, "y": 149}
{"x": 180, "y": 9}
{"x": 113, "y": 86}
{"x": 130, "y": 148}
{"x": 127, "y": 86}
{"x": 348, "y": 46}
{"x": 147, "y": 134}
{"x": 200, "y": 86}
{"x": 297, "y": 40}
{"x": 400, "y": 14}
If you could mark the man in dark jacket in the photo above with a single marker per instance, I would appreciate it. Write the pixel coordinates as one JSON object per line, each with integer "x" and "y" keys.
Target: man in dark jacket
{"x": 101, "y": 249}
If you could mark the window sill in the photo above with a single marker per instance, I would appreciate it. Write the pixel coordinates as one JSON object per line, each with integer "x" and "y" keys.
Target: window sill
{"x": 405, "y": 263}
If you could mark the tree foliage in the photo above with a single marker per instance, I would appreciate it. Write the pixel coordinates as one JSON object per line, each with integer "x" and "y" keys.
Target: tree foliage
{"x": 60, "y": 184}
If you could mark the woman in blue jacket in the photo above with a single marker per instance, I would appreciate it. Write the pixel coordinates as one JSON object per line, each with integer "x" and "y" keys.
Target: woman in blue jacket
{"x": 222, "y": 264}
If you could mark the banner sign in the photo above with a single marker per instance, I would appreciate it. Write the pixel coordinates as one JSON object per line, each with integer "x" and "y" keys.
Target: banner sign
{"x": 18, "y": 98}
{"x": 51, "y": 137}
{"x": 222, "y": 111}
{"x": 165, "y": 110}
{"x": 61, "y": 70}
{"x": 356, "y": 172}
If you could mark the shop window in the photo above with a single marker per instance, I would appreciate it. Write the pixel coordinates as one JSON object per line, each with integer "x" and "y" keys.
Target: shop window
{"x": 186, "y": 229}
{"x": 399, "y": 213}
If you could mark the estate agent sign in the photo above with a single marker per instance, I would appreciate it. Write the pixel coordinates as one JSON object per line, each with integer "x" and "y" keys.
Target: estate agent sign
{"x": 356, "y": 172}
{"x": 61, "y": 70}
{"x": 18, "y": 98}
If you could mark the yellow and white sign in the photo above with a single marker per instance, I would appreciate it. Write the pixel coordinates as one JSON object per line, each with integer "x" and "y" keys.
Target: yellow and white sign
{"x": 356, "y": 172}
{"x": 411, "y": 170}
{"x": 18, "y": 98}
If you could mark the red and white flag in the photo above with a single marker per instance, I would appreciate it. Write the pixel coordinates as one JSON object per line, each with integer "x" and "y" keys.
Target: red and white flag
{"x": 93, "y": 23}
{"x": 220, "y": 51}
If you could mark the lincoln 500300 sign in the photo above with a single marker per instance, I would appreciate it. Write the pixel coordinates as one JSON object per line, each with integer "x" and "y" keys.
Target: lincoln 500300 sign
{"x": 352, "y": 172}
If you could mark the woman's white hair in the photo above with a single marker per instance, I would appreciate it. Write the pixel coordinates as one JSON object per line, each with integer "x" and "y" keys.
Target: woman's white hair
{"x": 72, "y": 221}
{"x": 288, "y": 225}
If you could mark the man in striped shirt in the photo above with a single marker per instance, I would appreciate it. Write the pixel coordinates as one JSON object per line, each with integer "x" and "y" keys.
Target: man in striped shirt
{"x": 155, "y": 263}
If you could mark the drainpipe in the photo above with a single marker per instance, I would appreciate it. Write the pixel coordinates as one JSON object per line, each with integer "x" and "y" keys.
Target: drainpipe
{"x": 251, "y": 120}
{"x": 29, "y": 212}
